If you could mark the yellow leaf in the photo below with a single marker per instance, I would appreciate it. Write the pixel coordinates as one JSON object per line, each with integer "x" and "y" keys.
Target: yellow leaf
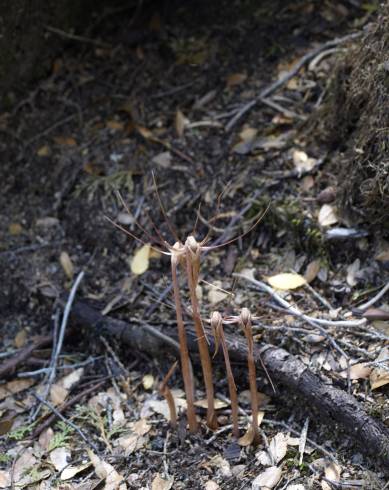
{"x": 43, "y": 151}
{"x": 140, "y": 261}
{"x": 67, "y": 264}
{"x": 286, "y": 281}
{"x": 148, "y": 381}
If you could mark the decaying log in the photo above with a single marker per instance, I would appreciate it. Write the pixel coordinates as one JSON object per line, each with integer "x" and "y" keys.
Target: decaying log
{"x": 338, "y": 407}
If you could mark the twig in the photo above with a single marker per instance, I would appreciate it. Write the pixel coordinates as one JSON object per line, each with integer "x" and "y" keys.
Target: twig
{"x": 75, "y": 37}
{"x": 298, "y": 433}
{"x": 59, "y": 343}
{"x": 67, "y": 422}
{"x": 72, "y": 401}
{"x": 167, "y": 394}
{"x": 375, "y": 298}
{"x": 294, "y": 311}
{"x": 288, "y": 75}
{"x": 279, "y": 108}
{"x": 48, "y": 130}
{"x": 30, "y": 248}
{"x": 64, "y": 322}
{"x": 9, "y": 367}
{"x": 319, "y": 297}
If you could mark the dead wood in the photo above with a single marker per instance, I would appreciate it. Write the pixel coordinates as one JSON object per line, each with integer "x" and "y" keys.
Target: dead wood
{"x": 335, "y": 405}
{"x": 8, "y": 368}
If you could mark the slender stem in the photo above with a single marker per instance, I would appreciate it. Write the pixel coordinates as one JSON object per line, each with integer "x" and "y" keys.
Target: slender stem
{"x": 165, "y": 392}
{"x": 217, "y": 325}
{"x": 184, "y": 353}
{"x": 245, "y": 320}
{"x": 205, "y": 358}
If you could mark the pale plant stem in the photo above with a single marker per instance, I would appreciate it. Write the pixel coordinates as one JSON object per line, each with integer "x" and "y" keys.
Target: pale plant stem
{"x": 165, "y": 392}
{"x": 184, "y": 352}
{"x": 231, "y": 388}
{"x": 205, "y": 357}
{"x": 245, "y": 320}
{"x": 218, "y": 332}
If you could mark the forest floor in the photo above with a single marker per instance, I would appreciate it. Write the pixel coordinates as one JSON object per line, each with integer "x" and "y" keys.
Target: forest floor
{"x": 158, "y": 93}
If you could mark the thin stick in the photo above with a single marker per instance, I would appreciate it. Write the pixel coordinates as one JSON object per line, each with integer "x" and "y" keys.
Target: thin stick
{"x": 192, "y": 265}
{"x": 165, "y": 392}
{"x": 245, "y": 322}
{"x": 67, "y": 422}
{"x": 288, "y": 75}
{"x": 294, "y": 311}
{"x": 375, "y": 298}
{"x": 61, "y": 336}
{"x": 217, "y": 326}
{"x": 184, "y": 353}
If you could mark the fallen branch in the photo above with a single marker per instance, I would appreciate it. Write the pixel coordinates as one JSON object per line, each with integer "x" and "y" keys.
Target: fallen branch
{"x": 334, "y": 404}
{"x": 9, "y": 367}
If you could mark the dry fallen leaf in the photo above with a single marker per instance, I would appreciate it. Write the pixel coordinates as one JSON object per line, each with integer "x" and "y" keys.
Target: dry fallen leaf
{"x": 20, "y": 338}
{"x": 5, "y": 479}
{"x": 65, "y": 140}
{"x": 59, "y": 457}
{"x": 235, "y": 79}
{"x": 67, "y": 264}
{"x": 358, "y": 371}
{"x": 45, "y": 438}
{"x": 286, "y": 281}
{"x": 248, "y": 436}
{"x": 327, "y": 215}
{"x": 222, "y": 465}
{"x": 71, "y": 471}
{"x": 216, "y": 294}
{"x": 380, "y": 377}
{"x": 332, "y": 471}
{"x": 312, "y": 270}
{"x": 163, "y": 159}
{"x": 148, "y": 381}
{"x": 140, "y": 261}
{"x": 43, "y": 151}
{"x": 160, "y": 483}
{"x": 105, "y": 471}
{"x": 180, "y": 122}
{"x": 15, "y": 386}
{"x": 218, "y": 404}
{"x": 58, "y": 394}
{"x": 276, "y": 452}
{"x": 211, "y": 485}
{"x": 268, "y": 479}
{"x": 352, "y": 270}
{"x": 115, "y": 125}
{"x": 302, "y": 162}
{"x": 131, "y": 443}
